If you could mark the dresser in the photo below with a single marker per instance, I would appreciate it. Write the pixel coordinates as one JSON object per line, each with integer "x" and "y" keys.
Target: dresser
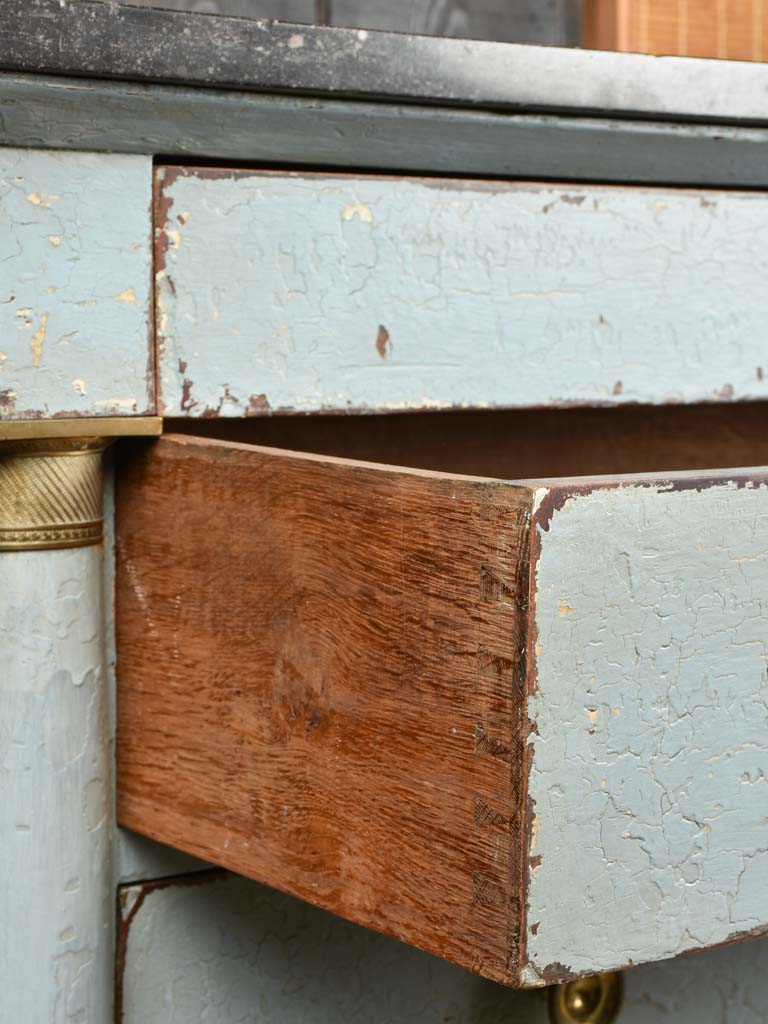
{"x": 383, "y": 526}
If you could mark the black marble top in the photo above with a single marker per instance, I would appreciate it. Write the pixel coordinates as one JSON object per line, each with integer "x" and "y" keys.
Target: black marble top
{"x": 118, "y": 41}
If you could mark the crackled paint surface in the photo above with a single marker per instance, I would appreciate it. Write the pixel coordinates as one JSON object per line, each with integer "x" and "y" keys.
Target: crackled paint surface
{"x": 230, "y": 951}
{"x": 75, "y": 254}
{"x": 275, "y": 292}
{"x": 649, "y": 780}
{"x": 56, "y": 897}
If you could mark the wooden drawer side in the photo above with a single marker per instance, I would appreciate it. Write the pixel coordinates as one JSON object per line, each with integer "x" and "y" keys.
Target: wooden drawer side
{"x": 321, "y": 682}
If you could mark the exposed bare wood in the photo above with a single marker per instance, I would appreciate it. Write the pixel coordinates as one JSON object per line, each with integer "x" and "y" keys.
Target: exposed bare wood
{"x": 321, "y": 683}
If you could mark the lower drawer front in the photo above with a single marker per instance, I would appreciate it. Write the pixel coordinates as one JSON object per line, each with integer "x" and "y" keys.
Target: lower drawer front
{"x": 520, "y": 725}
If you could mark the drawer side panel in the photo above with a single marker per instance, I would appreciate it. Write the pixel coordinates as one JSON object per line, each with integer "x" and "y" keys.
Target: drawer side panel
{"x": 321, "y": 684}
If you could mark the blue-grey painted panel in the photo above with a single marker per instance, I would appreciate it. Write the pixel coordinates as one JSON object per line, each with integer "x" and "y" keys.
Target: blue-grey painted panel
{"x": 231, "y": 951}
{"x": 650, "y": 704}
{"x": 248, "y": 127}
{"x": 75, "y": 268}
{"x": 309, "y": 292}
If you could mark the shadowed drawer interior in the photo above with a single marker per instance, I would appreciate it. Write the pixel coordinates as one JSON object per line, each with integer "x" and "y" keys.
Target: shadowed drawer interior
{"x": 517, "y": 724}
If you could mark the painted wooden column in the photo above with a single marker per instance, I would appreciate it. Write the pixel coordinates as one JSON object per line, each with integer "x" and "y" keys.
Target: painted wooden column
{"x": 56, "y": 900}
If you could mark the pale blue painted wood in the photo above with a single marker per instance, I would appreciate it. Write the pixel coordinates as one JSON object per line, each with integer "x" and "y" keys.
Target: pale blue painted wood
{"x": 311, "y": 292}
{"x": 75, "y": 268}
{"x": 650, "y": 747}
{"x": 231, "y": 951}
{"x": 56, "y": 895}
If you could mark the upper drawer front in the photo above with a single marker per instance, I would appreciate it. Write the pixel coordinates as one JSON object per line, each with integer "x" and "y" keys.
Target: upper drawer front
{"x": 75, "y": 277}
{"x": 522, "y": 726}
{"x": 306, "y": 292}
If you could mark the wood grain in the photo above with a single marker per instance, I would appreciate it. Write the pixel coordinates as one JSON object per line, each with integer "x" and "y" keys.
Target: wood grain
{"x": 321, "y": 683}
{"x": 727, "y": 29}
{"x": 449, "y": 708}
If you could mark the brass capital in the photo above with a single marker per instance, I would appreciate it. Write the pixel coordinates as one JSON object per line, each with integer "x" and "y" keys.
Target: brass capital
{"x": 51, "y": 479}
{"x": 50, "y": 494}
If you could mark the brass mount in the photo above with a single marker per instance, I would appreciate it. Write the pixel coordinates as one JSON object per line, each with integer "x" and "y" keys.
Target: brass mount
{"x": 51, "y": 479}
{"x": 592, "y": 1000}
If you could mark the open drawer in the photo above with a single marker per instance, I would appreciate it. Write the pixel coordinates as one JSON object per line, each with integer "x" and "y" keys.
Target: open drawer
{"x": 520, "y": 725}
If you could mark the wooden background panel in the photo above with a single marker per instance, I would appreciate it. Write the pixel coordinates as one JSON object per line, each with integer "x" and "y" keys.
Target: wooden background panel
{"x": 281, "y": 292}
{"x": 319, "y": 684}
{"x": 728, "y": 29}
{"x": 75, "y": 258}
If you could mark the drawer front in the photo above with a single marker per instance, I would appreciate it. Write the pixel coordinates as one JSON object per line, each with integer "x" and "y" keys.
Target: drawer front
{"x": 648, "y": 693}
{"x": 302, "y": 292}
{"x": 522, "y": 726}
{"x": 75, "y": 282}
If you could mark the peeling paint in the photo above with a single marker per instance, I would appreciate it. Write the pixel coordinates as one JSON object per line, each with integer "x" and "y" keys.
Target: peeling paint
{"x": 42, "y": 199}
{"x": 383, "y": 342}
{"x": 359, "y": 210}
{"x": 37, "y": 340}
{"x": 127, "y": 295}
{"x": 257, "y": 405}
{"x": 467, "y": 280}
{"x": 117, "y": 405}
{"x": 650, "y": 710}
{"x": 68, "y": 245}
{"x": 56, "y": 826}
